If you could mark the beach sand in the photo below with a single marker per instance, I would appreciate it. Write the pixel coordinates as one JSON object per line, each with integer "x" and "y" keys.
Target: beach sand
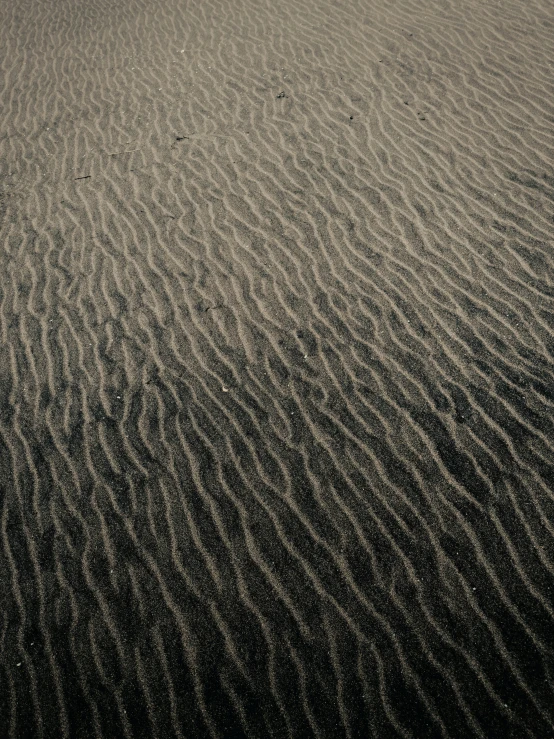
{"x": 277, "y": 369}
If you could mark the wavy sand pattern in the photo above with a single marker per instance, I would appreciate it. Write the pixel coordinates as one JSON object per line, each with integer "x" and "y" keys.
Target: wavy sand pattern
{"x": 277, "y": 368}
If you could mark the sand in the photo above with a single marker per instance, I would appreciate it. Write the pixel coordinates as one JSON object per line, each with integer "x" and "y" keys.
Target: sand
{"x": 277, "y": 369}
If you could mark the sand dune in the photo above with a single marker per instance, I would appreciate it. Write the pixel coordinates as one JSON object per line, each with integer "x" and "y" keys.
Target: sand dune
{"x": 277, "y": 369}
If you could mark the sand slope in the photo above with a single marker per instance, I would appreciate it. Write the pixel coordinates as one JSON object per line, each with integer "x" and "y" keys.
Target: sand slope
{"x": 277, "y": 369}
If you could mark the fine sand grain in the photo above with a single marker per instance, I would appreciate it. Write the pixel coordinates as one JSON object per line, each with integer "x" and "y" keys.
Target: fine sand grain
{"x": 277, "y": 369}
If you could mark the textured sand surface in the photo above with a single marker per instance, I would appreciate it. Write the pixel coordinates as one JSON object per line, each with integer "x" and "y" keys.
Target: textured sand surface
{"x": 277, "y": 368}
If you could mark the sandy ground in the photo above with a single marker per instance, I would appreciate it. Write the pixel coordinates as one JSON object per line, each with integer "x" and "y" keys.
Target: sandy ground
{"x": 277, "y": 369}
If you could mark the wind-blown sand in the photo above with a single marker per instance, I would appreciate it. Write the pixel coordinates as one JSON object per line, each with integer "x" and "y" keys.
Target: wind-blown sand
{"x": 277, "y": 369}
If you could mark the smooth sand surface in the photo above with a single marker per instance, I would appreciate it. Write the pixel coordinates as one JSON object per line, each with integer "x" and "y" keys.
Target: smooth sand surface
{"x": 277, "y": 369}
